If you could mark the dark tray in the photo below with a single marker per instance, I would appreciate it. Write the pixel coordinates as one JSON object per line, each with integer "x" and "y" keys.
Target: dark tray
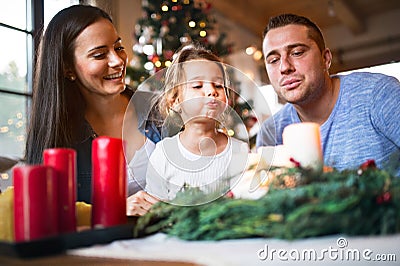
{"x": 61, "y": 243}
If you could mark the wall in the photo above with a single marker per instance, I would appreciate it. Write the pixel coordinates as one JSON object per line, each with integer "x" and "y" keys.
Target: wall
{"x": 242, "y": 39}
{"x": 124, "y": 13}
{"x": 379, "y": 44}
{"x": 127, "y": 13}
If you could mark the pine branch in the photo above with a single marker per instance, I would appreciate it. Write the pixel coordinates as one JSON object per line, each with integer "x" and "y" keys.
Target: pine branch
{"x": 361, "y": 202}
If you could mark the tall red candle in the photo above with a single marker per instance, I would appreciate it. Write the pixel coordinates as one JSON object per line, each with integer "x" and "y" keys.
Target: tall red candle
{"x": 35, "y": 202}
{"x": 64, "y": 162}
{"x": 108, "y": 182}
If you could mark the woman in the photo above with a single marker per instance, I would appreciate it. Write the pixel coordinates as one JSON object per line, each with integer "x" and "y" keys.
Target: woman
{"x": 79, "y": 93}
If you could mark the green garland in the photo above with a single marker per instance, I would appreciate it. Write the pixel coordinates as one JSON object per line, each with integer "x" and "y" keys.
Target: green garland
{"x": 360, "y": 202}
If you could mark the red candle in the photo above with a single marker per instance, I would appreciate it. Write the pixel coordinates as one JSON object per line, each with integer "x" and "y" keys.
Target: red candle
{"x": 64, "y": 162}
{"x": 108, "y": 182}
{"x": 35, "y": 202}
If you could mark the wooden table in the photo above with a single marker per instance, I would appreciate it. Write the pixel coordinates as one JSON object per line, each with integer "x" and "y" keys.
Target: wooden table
{"x": 246, "y": 252}
{"x": 65, "y": 259}
{"x": 163, "y": 250}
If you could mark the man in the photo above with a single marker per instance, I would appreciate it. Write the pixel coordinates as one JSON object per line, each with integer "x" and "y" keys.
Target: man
{"x": 358, "y": 114}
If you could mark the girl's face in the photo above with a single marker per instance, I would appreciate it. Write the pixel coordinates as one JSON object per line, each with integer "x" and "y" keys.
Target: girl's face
{"x": 100, "y": 60}
{"x": 203, "y": 94}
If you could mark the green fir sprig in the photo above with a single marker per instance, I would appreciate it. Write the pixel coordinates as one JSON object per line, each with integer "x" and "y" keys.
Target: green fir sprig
{"x": 360, "y": 202}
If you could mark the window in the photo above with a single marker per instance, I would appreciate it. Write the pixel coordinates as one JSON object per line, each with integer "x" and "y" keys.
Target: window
{"x": 391, "y": 69}
{"x": 19, "y": 21}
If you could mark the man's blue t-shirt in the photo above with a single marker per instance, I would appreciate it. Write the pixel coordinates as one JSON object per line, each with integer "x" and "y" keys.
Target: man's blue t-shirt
{"x": 364, "y": 123}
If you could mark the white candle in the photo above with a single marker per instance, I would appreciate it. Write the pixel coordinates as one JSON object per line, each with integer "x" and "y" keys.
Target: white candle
{"x": 302, "y": 142}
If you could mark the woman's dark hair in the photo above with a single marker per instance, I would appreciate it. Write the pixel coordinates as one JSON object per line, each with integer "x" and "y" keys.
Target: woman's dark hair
{"x": 57, "y": 105}
{"x": 314, "y": 33}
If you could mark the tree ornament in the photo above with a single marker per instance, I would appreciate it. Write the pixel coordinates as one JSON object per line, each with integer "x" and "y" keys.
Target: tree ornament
{"x": 185, "y": 39}
{"x": 176, "y": 8}
{"x": 148, "y": 33}
{"x": 164, "y": 30}
{"x": 153, "y": 58}
{"x": 168, "y": 54}
{"x": 199, "y": 4}
{"x": 137, "y": 48}
{"x": 155, "y": 16}
{"x": 172, "y": 20}
{"x": 135, "y": 62}
{"x": 212, "y": 38}
{"x": 138, "y": 30}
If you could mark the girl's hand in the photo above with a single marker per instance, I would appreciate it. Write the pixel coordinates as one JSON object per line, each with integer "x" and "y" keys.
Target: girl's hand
{"x": 139, "y": 204}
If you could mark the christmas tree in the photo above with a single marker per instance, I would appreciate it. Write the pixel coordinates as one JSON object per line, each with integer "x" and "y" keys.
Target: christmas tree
{"x": 166, "y": 25}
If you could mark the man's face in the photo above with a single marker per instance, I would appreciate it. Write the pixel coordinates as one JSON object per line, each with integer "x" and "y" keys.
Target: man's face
{"x": 294, "y": 63}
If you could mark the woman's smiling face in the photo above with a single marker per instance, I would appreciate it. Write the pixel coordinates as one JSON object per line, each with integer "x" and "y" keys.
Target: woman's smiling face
{"x": 100, "y": 59}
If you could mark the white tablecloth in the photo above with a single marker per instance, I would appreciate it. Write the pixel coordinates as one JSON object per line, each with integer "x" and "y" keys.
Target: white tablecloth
{"x": 330, "y": 250}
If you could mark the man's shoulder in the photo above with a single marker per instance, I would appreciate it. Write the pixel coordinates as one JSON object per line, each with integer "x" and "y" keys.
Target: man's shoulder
{"x": 366, "y": 78}
{"x": 282, "y": 116}
{"x": 368, "y": 86}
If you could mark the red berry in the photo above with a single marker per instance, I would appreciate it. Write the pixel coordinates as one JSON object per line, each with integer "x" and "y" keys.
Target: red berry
{"x": 369, "y": 164}
{"x": 229, "y": 194}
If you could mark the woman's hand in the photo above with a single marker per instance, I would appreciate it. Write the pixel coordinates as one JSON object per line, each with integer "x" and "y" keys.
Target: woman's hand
{"x": 139, "y": 203}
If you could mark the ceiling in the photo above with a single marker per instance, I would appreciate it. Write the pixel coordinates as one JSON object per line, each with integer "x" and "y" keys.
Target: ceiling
{"x": 253, "y": 15}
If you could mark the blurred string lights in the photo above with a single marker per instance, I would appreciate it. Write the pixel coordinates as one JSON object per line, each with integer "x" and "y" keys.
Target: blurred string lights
{"x": 17, "y": 123}
{"x": 14, "y": 129}
{"x": 165, "y": 26}
{"x": 254, "y": 52}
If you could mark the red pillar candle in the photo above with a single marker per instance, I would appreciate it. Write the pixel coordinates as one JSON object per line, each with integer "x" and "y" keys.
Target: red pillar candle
{"x": 108, "y": 182}
{"x": 64, "y": 162}
{"x": 35, "y": 202}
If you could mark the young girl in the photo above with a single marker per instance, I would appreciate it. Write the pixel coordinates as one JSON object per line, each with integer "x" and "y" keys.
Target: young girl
{"x": 200, "y": 155}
